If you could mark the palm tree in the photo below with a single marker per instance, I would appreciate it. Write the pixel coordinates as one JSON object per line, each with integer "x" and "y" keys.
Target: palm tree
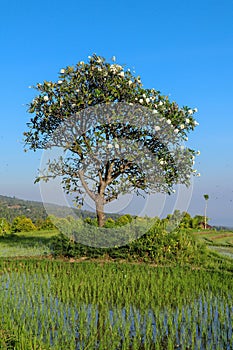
{"x": 206, "y": 197}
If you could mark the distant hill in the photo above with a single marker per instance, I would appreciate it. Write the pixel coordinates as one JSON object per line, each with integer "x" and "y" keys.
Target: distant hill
{"x": 223, "y": 228}
{"x": 10, "y": 207}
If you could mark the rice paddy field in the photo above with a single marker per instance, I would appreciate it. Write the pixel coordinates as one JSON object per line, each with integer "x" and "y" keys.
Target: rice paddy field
{"x": 49, "y": 304}
{"x": 219, "y": 241}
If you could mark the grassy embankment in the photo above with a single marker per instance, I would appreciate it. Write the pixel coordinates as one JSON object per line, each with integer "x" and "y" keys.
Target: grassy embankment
{"x": 219, "y": 241}
{"x": 37, "y": 243}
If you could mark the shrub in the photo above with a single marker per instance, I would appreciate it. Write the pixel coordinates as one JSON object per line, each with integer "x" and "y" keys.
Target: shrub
{"x": 46, "y": 224}
{"x": 22, "y": 223}
{"x": 156, "y": 245}
{"x": 4, "y": 226}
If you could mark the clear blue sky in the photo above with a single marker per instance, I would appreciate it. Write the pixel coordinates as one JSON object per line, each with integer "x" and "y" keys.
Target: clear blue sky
{"x": 182, "y": 48}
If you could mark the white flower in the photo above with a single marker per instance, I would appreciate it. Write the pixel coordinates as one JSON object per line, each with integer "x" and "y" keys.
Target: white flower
{"x": 160, "y": 103}
{"x": 173, "y": 191}
{"x": 99, "y": 60}
{"x": 89, "y": 57}
{"x": 77, "y": 90}
{"x": 196, "y": 123}
{"x": 62, "y": 71}
{"x": 186, "y": 138}
{"x": 46, "y": 98}
{"x": 187, "y": 120}
{"x": 73, "y": 105}
{"x": 114, "y": 58}
{"x": 147, "y": 100}
{"x": 168, "y": 121}
{"x": 190, "y": 111}
{"x": 176, "y": 131}
{"x": 144, "y": 95}
{"x": 154, "y": 111}
{"x": 198, "y": 153}
{"x": 30, "y": 87}
{"x": 99, "y": 69}
{"x": 109, "y": 145}
{"x": 195, "y": 110}
{"x": 161, "y": 162}
{"x": 117, "y": 146}
{"x": 59, "y": 82}
{"x": 194, "y": 170}
{"x": 198, "y": 174}
{"x": 121, "y": 74}
{"x": 136, "y": 98}
{"x": 115, "y": 68}
{"x": 141, "y": 100}
{"x": 182, "y": 126}
{"x": 130, "y": 82}
{"x": 157, "y": 128}
{"x": 81, "y": 62}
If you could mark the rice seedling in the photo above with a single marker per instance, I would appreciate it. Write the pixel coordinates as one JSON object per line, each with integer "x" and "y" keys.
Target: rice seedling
{"x": 63, "y": 305}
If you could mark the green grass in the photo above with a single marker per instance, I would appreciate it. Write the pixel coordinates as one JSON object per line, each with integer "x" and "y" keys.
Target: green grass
{"x": 218, "y": 241}
{"x": 37, "y": 243}
{"x": 32, "y": 243}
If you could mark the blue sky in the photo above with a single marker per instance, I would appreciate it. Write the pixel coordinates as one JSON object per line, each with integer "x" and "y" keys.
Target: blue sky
{"x": 182, "y": 48}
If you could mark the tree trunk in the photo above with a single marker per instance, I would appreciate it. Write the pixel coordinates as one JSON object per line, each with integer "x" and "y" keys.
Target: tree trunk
{"x": 100, "y": 211}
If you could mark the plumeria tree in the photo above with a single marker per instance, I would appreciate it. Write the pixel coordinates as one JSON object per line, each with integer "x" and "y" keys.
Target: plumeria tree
{"x": 116, "y": 135}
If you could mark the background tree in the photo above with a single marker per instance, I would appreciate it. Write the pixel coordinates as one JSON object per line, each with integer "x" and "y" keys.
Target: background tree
{"x": 110, "y": 128}
{"x": 4, "y": 226}
{"x": 206, "y": 197}
{"x": 22, "y": 223}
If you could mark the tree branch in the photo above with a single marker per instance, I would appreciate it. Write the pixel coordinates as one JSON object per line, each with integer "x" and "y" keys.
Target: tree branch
{"x": 89, "y": 192}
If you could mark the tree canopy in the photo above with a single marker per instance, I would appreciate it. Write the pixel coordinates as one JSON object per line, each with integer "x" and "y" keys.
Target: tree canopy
{"x": 116, "y": 135}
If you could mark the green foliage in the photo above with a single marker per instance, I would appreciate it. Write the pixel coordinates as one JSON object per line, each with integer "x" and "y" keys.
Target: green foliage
{"x": 197, "y": 221}
{"x": 8, "y": 341}
{"x": 157, "y": 245}
{"x": 96, "y": 138}
{"x": 4, "y": 226}
{"x": 124, "y": 220}
{"x": 109, "y": 223}
{"x": 91, "y": 221}
{"x": 22, "y": 223}
{"x": 46, "y": 224}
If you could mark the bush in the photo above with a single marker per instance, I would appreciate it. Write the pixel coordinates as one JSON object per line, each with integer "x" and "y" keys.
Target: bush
{"x": 46, "y": 224}
{"x": 4, "y": 226}
{"x": 22, "y": 223}
{"x": 156, "y": 245}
